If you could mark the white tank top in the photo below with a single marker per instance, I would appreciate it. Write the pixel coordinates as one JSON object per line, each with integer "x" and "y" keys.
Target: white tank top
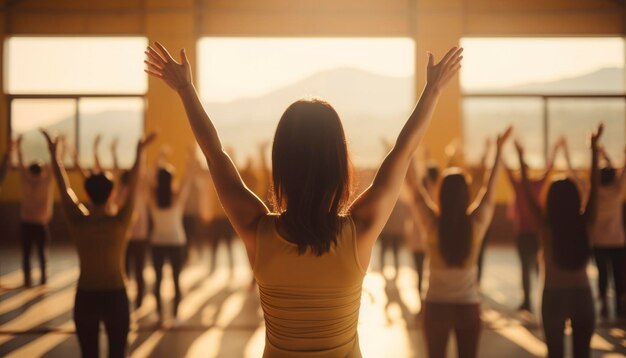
{"x": 168, "y": 227}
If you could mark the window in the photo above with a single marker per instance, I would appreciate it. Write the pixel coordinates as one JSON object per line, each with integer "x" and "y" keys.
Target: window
{"x": 76, "y": 86}
{"x": 247, "y": 83}
{"x": 546, "y": 88}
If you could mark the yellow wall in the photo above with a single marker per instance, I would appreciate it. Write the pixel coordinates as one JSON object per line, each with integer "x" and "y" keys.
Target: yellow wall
{"x": 434, "y": 24}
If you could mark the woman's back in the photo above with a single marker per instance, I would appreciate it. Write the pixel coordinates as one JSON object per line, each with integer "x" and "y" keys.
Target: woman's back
{"x": 310, "y": 303}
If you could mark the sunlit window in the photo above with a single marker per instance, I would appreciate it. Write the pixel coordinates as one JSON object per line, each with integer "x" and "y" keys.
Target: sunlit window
{"x": 247, "y": 83}
{"x": 78, "y": 87}
{"x": 526, "y": 82}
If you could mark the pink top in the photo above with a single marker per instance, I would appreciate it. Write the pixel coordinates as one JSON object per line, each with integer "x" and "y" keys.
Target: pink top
{"x": 523, "y": 220}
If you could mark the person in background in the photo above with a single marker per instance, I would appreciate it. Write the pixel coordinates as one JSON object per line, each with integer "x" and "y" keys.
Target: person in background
{"x": 139, "y": 229}
{"x": 5, "y": 162}
{"x": 417, "y": 240}
{"x": 564, "y": 226}
{"x": 455, "y": 228}
{"x": 35, "y": 213}
{"x": 100, "y": 240}
{"x": 525, "y": 225}
{"x": 607, "y": 235}
{"x": 168, "y": 239}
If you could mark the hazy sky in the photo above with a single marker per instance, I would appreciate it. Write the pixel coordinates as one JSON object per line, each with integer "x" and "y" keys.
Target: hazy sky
{"x": 229, "y": 68}
{"x": 496, "y": 62}
{"x": 234, "y": 67}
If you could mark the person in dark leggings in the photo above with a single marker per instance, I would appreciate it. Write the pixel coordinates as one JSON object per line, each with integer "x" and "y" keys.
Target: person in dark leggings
{"x": 455, "y": 228}
{"x": 609, "y": 240}
{"x": 168, "y": 239}
{"x": 567, "y": 249}
{"x": 5, "y": 162}
{"x": 36, "y": 212}
{"x": 100, "y": 240}
{"x": 525, "y": 225}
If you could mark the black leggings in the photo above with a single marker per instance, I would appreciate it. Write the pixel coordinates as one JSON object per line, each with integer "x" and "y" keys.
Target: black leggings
{"x": 110, "y": 307}
{"x": 136, "y": 258}
{"x": 610, "y": 260}
{"x": 527, "y": 247}
{"x": 176, "y": 257}
{"x": 418, "y": 260}
{"x": 33, "y": 234}
{"x": 558, "y": 305}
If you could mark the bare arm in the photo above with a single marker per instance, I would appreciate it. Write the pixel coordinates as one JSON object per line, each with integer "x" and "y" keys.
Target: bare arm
{"x": 73, "y": 208}
{"x": 187, "y": 180}
{"x": 425, "y": 207}
{"x": 20, "y": 157}
{"x": 591, "y": 209}
{"x": 551, "y": 158}
{"x": 535, "y": 209}
{"x": 242, "y": 207}
{"x": 96, "y": 157}
{"x": 571, "y": 171}
{"x": 482, "y": 207}
{"x": 373, "y": 207}
{"x": 622, "y": 178}
{"x": 6, "y": 161}
{"x": 84, "y": 173}
{"x": 126, "y": 211}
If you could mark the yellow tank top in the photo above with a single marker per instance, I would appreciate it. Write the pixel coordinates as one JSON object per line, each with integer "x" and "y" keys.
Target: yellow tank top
{"x": 310, "y": 303}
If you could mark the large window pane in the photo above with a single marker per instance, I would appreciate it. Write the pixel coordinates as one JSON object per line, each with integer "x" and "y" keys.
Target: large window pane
{"x": 112, "y": 118}
{"x": 53, "y": 65}
{"x": 543, "y": 65}
{"x": 246, "y": 84}
{"x": 484, "y": 117}
{"x": 29, "y": 115}
{"x": 576, "y": 118}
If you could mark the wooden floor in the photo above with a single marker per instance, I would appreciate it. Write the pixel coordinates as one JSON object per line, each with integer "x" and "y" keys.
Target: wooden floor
{"x": 220, "y": 314}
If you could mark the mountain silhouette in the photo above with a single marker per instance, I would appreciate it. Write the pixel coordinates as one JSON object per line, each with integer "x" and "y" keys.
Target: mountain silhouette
{"x": 608, "y": 80}
{"x": 371, "y": 106}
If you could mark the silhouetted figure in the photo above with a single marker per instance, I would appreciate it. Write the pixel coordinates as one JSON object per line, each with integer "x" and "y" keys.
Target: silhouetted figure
{"x": 454, "y": 229}
{"x": 5, "y": 162}
{"x": 393, "y": 235}
{"x": 35, "y": 212}
{"x": 310, "y": 256}
{"x": 607, "y": 235}
{"x": 525, "y": 224}
{"x": 566, "y": 252}
{"x": 168, "y": 238}
{"x": 100, "y": 240}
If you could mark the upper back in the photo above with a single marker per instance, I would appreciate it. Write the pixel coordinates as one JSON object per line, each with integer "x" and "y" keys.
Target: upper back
{"x": 101, "y": 242}
{"x": 277, "y": 262}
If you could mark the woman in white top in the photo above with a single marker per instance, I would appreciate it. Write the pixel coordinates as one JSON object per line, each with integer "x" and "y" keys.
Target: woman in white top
{"x": 168, "y": 239}
{"x": 564, "y": 228}
{"x": 607, "y": 235}
{"x": 454, "y": 233}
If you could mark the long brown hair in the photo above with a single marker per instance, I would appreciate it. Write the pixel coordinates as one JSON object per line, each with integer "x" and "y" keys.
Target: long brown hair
{"x": 455, "y": 228}
{"x": 312, "y": 175}
{"x": 570, "y": 244}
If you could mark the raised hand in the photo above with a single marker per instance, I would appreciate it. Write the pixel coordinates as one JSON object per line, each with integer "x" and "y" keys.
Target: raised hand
{"x": 519, "y": 147}
{"x": 438, "y": 75}
{"x": 595, "y": 136}
{"x": 53, "y": 142}
{"x": 502, "y": 137}
{"x": 147, "y": 139}
{"x": 161, "y": 64}
{"x": 113, "y": 146}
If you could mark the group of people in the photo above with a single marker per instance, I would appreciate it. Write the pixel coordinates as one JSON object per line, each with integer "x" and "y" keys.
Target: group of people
{"x": 310, "y": 252}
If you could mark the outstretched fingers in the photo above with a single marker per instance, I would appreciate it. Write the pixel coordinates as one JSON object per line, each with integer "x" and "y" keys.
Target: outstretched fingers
{"x": 164, "y": 52}
{"x": 155, "y": 56}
